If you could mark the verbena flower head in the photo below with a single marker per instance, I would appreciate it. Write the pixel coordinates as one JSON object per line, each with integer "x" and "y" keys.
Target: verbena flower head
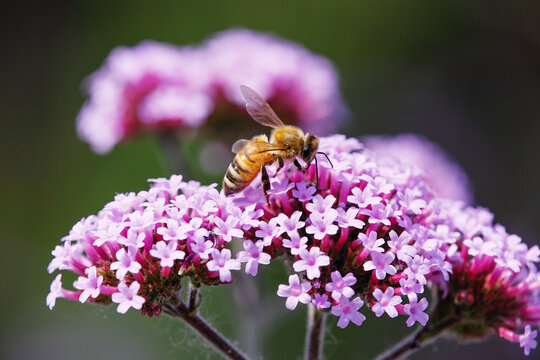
{"x": 443, "y": 175}
{"x": 301, "y": 86}
{"x": 137, "y": 249}
{"x": 148, "y": 87}
{"x": 155, "y": 86}
{"x": 495, "y": 285}
{"x": 366, "y": 231}
{"x": 353, "y": 236}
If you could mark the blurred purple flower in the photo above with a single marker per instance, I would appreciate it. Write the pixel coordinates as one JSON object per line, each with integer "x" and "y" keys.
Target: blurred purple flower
{"x": 302, "y": 85}
{"x": 144, "y": 88}
{"x": 437, "y": 169}
{"x": 155, "y": 86}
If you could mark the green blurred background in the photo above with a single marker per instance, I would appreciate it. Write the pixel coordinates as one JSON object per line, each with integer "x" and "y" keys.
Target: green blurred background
{"x": 465, "y": 74}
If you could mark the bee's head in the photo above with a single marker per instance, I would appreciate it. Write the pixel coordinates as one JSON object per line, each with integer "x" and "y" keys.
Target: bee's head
{"x": 311, "y": 144}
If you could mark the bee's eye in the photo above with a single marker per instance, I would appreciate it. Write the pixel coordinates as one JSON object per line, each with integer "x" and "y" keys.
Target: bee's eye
{"x": 306, "y": 151}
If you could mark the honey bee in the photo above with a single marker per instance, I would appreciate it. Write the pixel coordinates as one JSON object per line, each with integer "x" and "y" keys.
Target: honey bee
{"x": 286, "y": 143}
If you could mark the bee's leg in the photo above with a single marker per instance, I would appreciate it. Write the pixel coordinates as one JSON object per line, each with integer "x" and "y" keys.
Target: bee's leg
{"x": 297, "y": 164}
{"x": 327, "y": 158}
{"x": 280, "y": 163}
{"x": 316, "y": 173}
{"x": 265, "y": 181}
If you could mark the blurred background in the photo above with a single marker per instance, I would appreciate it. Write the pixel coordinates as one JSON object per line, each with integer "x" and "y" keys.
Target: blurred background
{"x": 464, "y": 74}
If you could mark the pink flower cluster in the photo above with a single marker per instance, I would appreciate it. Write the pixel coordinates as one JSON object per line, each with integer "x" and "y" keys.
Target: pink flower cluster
{"x": 155, "y": 86}
{"x": 495, "y": 280}
{"x": 370, "y": 231}
{"x": 148, "y": 87}
{"x": 302, "y": 85}
{"x": 137, "y": 249}
{"x": 366, "y": 231}
{"x": 436, "y": 168}
{"x": 354, "y": 236}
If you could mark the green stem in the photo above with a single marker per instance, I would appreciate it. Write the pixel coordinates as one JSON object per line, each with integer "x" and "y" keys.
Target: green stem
{"x": 314, "y": 334}
{"x": 423, "y": 336}
{"x": 194, "y": 298}
{"x": 220, "y": 343}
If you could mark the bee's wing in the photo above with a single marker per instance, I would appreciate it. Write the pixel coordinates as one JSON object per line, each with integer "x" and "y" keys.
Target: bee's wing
{"x": 239, "y": 145}
{"x": 259, "y": 109}
{"x": 258, "y": 147}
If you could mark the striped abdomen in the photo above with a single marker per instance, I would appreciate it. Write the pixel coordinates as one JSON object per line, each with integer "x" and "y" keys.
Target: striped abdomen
{"x": 242, "y": 170}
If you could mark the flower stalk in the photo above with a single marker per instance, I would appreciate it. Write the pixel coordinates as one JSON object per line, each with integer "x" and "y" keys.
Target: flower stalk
{"x": 194, "y": 297}
{"x": 314, "y": 334}
{"x": 220, "y": 343}
{"x": 420, "y": 338}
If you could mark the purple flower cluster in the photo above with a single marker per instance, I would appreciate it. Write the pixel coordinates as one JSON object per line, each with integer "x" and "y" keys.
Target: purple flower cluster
{"x": 441, "y": 173}
{"x": 148, "y": 87}
{"x": 370, "y": 231}
{"x": 155, "y": 86}
{"x": 364, "y": 229}
{"x": 495, "y": 280}
{"x": 135, "y": 251}
{"x": 301, "y": 85}
{"x": 356, "y": 235}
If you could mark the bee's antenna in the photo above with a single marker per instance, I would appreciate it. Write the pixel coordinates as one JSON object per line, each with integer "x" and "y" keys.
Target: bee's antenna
{"x": 316, "y": 174}
{"x": 317, "y": 167}
{"x": 327, "y": 158}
